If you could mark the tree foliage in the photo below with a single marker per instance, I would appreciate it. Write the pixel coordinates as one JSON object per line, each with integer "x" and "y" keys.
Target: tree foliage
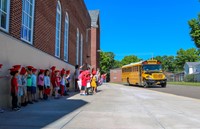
{"x": 189, "y": 55}
{"x": 129, "y": 59}
{"x": 106, "y": 61}
{"x": 117, "y": 64}
{"x": 195, "y": 30}
{"x": 168, "y": 62}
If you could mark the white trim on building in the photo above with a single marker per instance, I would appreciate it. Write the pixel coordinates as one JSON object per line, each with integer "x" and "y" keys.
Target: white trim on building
{"x": 66, "y": 38}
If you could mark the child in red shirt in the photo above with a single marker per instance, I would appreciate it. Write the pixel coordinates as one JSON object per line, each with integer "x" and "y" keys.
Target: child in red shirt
{"x": 14, "y": 88}
{"x": 84, "y": 79}
{"x": 57, "y": 83}
{"x": 53, "y": 68}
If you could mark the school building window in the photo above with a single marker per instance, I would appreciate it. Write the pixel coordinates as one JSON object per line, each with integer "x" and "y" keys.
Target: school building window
{"x": 27, "y": 20}
{"x": 81, "y": 51}
{"x": 58, "y": 30}
{"x": 66, "y": 36}
{"x": 77, "y": 46}
{"x": 4, "y": 14}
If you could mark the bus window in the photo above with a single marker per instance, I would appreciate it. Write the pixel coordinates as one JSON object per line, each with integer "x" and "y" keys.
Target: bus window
{"x": 152, "y": 67}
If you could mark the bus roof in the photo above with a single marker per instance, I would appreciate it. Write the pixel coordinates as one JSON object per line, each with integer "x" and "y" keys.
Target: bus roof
{"x": 131, "y": 64}
{"x": 143, "y": 62}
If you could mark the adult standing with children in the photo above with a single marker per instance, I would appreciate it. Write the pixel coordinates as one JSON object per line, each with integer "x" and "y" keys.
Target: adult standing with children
{"x": 76, "y": 75}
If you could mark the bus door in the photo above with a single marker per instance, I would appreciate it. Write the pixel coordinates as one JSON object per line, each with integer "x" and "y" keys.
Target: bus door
{"x": 140, "y": 74}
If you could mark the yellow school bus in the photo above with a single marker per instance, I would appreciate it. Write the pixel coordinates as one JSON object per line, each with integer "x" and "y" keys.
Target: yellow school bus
{"x": 145, "y": 73}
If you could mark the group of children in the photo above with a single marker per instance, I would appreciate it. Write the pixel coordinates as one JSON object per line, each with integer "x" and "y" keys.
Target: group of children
{"x": 87, "y": 80}
{"x": 24, "y": 84}
{"x": 26, "y": 80}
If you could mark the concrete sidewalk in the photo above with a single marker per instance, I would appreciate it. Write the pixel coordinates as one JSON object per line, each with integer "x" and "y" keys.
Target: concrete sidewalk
{"x": 113, "y": 107}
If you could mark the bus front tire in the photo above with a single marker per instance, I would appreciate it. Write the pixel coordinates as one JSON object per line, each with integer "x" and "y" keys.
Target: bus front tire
{"x": 145, "y": 84}
{"x": 163, "y": 85}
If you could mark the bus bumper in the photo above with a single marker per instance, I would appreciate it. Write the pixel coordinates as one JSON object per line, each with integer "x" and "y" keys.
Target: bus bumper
{"x": 156, "y": 82}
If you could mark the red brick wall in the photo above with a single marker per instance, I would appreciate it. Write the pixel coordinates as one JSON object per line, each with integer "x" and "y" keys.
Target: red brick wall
{"x": 115, "y": 75}
{"x": 95, "y": 46}
{"x": 15, "y": 18}
{"x": 44, "y": 25}
{"x": 98, "y": 46}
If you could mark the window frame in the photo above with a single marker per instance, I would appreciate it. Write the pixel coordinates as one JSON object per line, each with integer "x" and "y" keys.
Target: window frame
{"x": 32, "y": 22}
{"x": 58, "y": 12}
{"x": 7, "y": 17}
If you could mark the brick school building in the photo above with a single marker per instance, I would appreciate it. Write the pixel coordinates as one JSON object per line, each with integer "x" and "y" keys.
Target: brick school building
{"x": 42, "y": 33}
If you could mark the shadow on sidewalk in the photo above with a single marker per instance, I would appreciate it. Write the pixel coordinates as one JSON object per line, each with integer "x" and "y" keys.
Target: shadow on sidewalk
{"x": 40, "y": 114}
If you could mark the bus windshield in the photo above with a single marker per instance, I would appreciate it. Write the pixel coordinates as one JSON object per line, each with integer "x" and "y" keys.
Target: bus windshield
{"x": 152, "y": 67}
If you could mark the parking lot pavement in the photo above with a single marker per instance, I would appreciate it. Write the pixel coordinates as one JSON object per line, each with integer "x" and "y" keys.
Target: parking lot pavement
{"x": 113, "y": 107}
{"x": 181, "y": 90}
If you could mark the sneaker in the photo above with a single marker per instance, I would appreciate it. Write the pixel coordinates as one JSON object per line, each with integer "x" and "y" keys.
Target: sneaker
{"x": 16, "y": 109}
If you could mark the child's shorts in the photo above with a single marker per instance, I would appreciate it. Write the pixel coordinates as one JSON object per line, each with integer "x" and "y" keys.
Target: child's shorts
{"x": 29, "y": 89}
{"x": 40, "y": 87}
{"x": 33, "y": 90}
{"x": 67, "y": 85}
{"x": 83, "y": 87}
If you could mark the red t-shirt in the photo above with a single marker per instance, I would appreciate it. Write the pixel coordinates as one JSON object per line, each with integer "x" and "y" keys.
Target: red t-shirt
{"x": 14, "y": 85}
{"x": 53, "y": 79}
{"x": 85, "y": 78}
{"x": 57, "y": 81}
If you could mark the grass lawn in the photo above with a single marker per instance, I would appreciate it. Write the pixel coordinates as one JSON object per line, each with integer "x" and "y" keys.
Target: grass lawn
{"x": 185, "y": 83}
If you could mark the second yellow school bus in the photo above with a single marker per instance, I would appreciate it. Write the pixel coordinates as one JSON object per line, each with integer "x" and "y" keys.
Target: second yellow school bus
{"x": 145, "y": 73}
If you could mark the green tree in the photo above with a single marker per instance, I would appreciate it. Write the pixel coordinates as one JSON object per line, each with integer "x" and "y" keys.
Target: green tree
{"x": 129, "y": 59}
{"x": 106, "y": 62}
{"x": 117, "y": 64}
{"x": 168, "y": 62}
{"x": 195, "y": 30}
{"x": 183, "y": 56}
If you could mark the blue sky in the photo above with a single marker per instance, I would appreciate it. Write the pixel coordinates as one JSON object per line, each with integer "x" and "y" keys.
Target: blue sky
{"x": 145, "y": 27}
